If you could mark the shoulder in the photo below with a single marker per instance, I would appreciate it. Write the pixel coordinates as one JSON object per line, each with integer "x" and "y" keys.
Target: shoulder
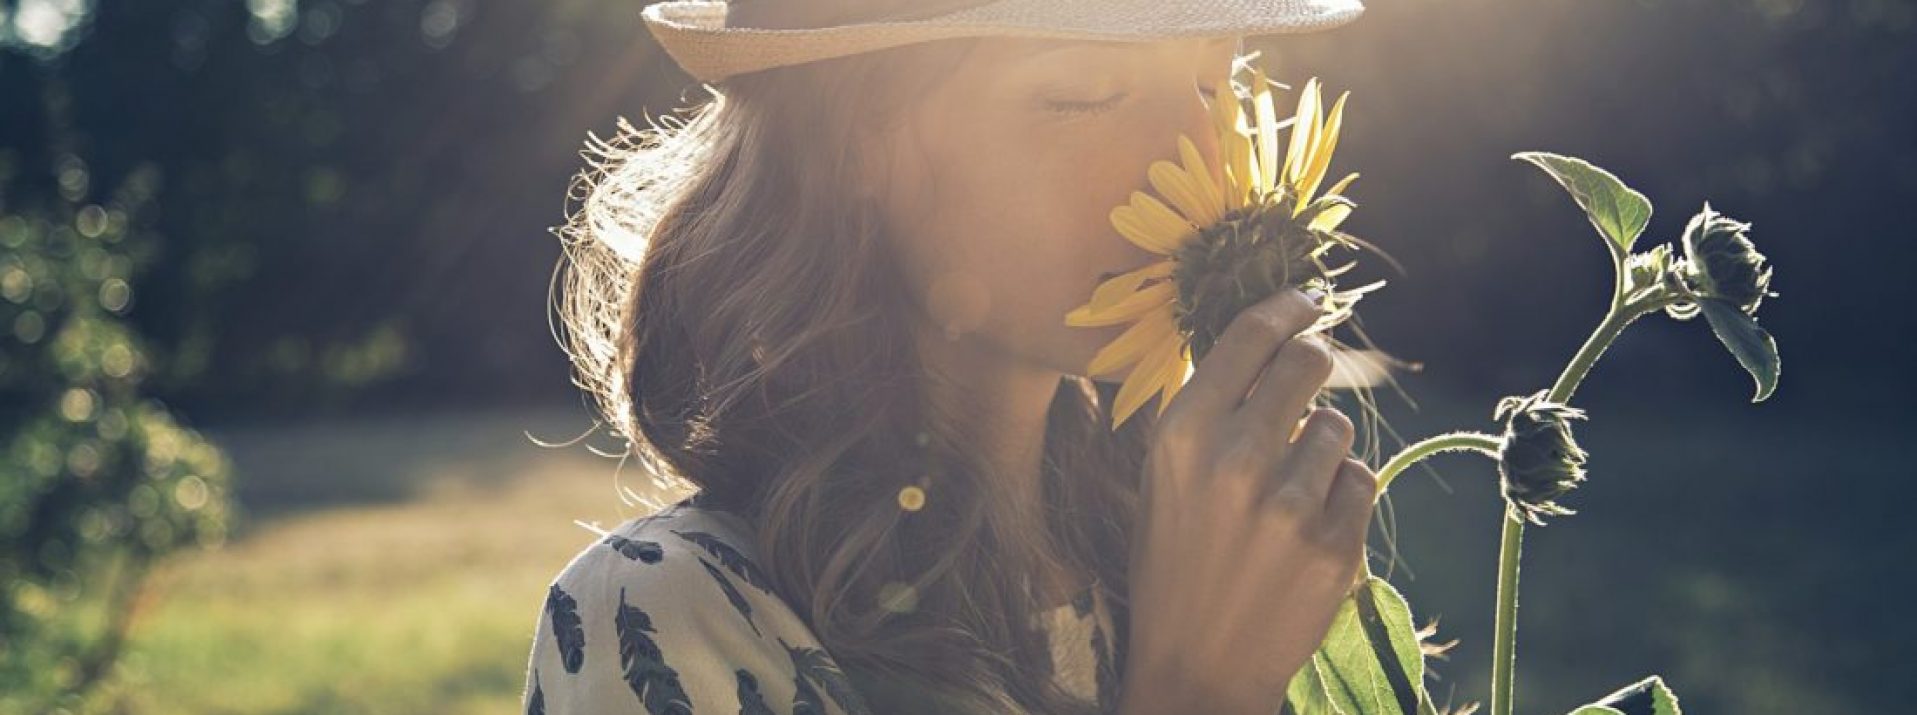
{"x": 687, "y": 569}
{"x": 658, "y": 553}
{"x": 673, "y": 611}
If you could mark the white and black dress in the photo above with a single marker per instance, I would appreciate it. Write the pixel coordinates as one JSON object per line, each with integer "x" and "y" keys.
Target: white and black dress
{"x": 670, "y": 614}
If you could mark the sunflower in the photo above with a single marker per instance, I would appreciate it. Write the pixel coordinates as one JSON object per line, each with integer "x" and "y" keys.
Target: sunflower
{"x": 1230, "y": 235}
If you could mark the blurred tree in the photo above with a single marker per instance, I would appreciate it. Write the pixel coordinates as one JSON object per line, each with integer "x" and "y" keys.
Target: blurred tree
{"x": 96, "y": 481}
{"x": 358, "y": 193}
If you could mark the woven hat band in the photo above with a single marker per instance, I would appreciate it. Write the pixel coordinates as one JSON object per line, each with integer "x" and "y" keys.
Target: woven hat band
{"x": 807, "y": 14}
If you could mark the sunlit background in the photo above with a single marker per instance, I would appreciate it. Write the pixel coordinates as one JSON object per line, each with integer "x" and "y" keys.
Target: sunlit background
{"x": 275, "y": 359}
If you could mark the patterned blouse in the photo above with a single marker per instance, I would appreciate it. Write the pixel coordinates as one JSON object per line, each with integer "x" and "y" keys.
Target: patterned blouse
{"x": 670, "y": 614}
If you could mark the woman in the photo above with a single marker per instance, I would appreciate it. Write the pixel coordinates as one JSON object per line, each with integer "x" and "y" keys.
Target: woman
{"x": 831, "y": 299}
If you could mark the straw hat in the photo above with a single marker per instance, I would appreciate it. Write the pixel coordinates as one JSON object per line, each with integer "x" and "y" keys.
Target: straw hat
{"x": 716, "y": 40}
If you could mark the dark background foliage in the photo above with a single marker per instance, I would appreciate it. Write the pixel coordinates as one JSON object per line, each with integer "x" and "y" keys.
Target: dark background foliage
{"x": 351, "y": 202}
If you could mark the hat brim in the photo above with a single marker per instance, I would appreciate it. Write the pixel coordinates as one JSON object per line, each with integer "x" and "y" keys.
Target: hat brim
{"x": 694, "y": 33}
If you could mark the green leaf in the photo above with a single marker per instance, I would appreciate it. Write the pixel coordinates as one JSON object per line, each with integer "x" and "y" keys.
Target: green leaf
{"x": 1617, "y": 211}
{"x": 1306, "y": 695}
{"x": 1645, "y": 697}
{"x": 1361, "y": 680}
{"x": 1748, "y": 341}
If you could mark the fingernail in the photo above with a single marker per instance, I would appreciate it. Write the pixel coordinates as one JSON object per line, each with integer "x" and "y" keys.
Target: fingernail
{"x": 1316, "y": 295}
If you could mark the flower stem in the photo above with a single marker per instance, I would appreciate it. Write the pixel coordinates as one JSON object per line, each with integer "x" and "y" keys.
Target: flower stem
{"x": 1505, "y": 631}
{"x": 1601, "y": 339}
{"x": 1504, "y": 643}
{"x": 1448, "y": 442}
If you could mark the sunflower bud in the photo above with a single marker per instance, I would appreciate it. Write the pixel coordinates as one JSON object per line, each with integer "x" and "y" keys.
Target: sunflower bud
{"x": 1538, "y": 461}
{"x": 1723, "y": 263}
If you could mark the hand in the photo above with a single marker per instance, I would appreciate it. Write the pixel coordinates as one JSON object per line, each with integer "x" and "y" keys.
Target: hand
{"x": 1248, "y": 541}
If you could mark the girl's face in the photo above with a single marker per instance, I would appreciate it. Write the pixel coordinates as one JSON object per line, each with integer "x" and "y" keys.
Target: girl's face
{"x": 1001, "y": 181}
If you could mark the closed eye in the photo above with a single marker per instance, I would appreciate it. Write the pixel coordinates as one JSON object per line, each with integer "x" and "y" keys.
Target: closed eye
{"x": 1079, "y": 107}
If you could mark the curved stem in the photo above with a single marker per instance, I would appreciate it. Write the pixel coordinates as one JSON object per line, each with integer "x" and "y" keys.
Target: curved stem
{"x": 1505, "y": 631}
{"x": 1448, "y": 442}
{"x": 1607, "y": 332}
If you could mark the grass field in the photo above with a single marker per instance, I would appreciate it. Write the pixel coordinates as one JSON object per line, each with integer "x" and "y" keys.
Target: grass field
{"x": 389, "y": 566}
{"x": 398, "y": 565}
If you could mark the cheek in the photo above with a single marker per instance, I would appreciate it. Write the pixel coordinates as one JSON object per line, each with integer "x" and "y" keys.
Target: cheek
{"x": 1020, "y": 234}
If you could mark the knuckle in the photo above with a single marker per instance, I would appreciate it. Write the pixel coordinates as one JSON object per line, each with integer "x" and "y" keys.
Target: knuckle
{"x": 1328, "y": 539}
{"x": 1292, "y": 502}
{"x": 1243, "y": 460}
{"x": 1354, "y": 519}
{"x": 1356, "y": 469}
{"x": 1308, "y": 354}
{"x": 1355, "y": 499}
{"x": 1276, "y": 315}
{"x": 1181, "y": 433}
{"x": 1266, "y": 321}
{"x": 1330, "y": 427}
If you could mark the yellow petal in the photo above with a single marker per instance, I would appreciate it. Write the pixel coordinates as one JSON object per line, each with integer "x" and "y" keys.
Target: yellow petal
{"x": 1335, "y": 216}
{"x": 1203, "y": 176}
{"x": 1242, "y": 166}
{"x": 1153, "y": 297}
{"x": 1181, "y": 373}
{"x": 1304, "y": 124}
{"x": 1267, "y": 112}
{"x": 1240, "y": 169}
{"x": 1167, "y": 373}
{"x": 1331, "y": 218}
{"x": 1145, "y": 233}
{"x": 1344, "y": 183}
{"x": 1160, "y": 218}
{"x": 1321, "y": 152}
{"x": 1221, "y": 105}
{"x": 1116, "y": 289}
{"x": 1142, "y": 382}
{"x": 1137, "y": 341}
{"x": 1178, "y": 188}
{"x": 1240, "y": 157}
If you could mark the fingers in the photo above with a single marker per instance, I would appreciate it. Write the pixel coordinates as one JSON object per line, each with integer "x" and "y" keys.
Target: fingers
{"x": 1353, "y": 494}
{"x": 1235, "y": 361}
{"x": 1287, "y": 384}
{"x": 1312, "y": 464}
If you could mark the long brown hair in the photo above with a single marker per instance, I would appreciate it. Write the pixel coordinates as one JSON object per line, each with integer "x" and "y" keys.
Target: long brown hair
{"x": 734, "y": 309}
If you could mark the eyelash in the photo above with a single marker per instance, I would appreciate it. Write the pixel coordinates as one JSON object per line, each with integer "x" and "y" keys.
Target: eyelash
{"x": 1077, "y": 108}
{"x": 1074, "y": 108}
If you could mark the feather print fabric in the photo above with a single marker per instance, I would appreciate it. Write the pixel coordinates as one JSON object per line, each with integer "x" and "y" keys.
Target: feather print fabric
{"x": 671, "y": 614}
